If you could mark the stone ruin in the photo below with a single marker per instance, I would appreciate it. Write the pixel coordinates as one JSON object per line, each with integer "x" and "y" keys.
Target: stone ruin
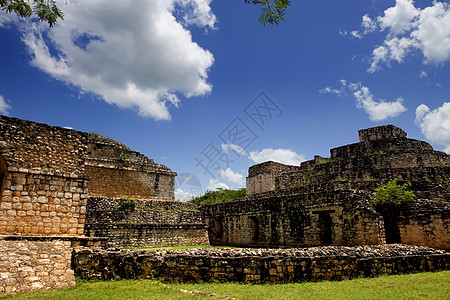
{"x": 62, "y": 188}
{"x": 325, "y": 201}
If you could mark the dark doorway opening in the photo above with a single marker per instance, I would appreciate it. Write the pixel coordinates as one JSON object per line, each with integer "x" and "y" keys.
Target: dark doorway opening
{"x": 254, "y": 229}
{"x": 217, "y": 229}
{"x": 325, "y": 230}
{"x": 391, "y": 228}
{"x": 3, "y": 170}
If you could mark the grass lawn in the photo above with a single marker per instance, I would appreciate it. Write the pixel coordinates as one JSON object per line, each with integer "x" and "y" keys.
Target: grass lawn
{"x": 413, "y": 286}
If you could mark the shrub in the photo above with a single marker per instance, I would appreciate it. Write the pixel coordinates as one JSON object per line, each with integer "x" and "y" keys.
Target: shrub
{"x": 392, "y": 195}
{"x": 127, "y": 204}
{"x": 219, "y": 196}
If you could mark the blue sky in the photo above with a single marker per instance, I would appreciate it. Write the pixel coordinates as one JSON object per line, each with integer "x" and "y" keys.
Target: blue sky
{"x": 182, "y": 81}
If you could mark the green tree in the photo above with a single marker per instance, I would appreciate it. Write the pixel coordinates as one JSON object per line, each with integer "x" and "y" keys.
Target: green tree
{"x": 392, "y": 195}
{"x": 219, "y": 196}
{"x": 45, "y": 10}
{"x": 272, "y": 12}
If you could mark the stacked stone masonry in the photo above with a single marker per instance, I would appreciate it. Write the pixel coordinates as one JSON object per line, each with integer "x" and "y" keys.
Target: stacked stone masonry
{"x": 257, "y": 265}
{"x": 326, "y": 200}
{"x": 30, "y": 264}
{"x": 149, "y": 223}
{"x": 47, "y": 174}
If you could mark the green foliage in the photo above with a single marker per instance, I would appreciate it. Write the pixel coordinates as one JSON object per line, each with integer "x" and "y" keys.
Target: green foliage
{"x": 219, "y": 196}
{"x": 272, "y": 12}
{"x": 123, "y": 157}
{"x": 392, "y": 195}
{"x": 324, "y": 161}
{"x": 45, "y": 10}
{"x": 127, "y": 204}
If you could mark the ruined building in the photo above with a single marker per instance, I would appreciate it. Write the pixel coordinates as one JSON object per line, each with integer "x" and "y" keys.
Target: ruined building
{"x": 325, "y": 201}
{"x": 61, "y": 188}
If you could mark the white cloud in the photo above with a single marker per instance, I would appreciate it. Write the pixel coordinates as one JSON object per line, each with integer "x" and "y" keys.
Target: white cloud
{"x": 232, "y": 177}
{"x": 4, "y": 106}
{"x": 131, "y": 53}
{"x": 435, "y": 124}
{"x": 236, "y": 148}
{"x": 423, "y": 74}
{"x": 182, "y": 195}
{"x": 284, "y": 156}
{"x": 215, "y": 184}
{"x": 398, "y": 19}
{"x": 410, "y": 29}
{"x": 377, "y": 109}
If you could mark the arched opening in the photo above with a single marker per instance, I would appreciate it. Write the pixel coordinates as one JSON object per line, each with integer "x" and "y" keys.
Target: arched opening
{"x": 3, "y": 170}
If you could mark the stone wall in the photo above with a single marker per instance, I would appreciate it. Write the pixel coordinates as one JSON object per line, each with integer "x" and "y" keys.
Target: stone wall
{"x": 119, "y": 182}
{"x": 116, "y": 171}
{"x": 380, "y": 132}
{"x": 44, "y": 190}
{"x": 43, "y": 204}
{"x": 29, "y": 264}
{"x": 258, "y": 265}
{"x": 148, "y": 224}
{"x": 427, "y": 223}
{"x": 286, "y": 218}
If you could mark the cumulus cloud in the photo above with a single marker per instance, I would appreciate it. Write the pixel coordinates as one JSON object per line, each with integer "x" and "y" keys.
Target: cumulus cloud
{"x": 232, "y": 177}
{"x": 236, "y": 148}
{"x": 435, "y": 124}
{"x": 215, "y": 184}
{"x": 131, "y": 53}
{"x": 183, "y": 195}
{"x": 410, "y": 29}
{"x": 4, "y": 106}
{"x": 377, "y": 109}
{"x": 284, "y": 156}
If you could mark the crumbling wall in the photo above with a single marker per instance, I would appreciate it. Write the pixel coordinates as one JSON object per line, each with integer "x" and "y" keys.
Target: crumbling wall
{"x": 284, "y": 218}
{"x": 426, "y": 223}
{"x": 116, "y": 171}
{"x": 147, "y": 224}
{"x": 27, "y": 264}
{"x": 258, "y": 265}
{"x": 44, "y": 190}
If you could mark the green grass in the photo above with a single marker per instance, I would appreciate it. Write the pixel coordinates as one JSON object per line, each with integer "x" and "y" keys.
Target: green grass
{"x": 413, "y": 286}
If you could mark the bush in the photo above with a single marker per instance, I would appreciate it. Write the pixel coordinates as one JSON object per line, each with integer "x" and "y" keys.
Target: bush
{"x": 392, "y": 195}
{"x": 219, "y": 196}
{"x": 127, "y": 204}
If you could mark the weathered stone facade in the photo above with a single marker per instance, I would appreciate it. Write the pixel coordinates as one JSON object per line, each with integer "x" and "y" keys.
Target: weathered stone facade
{"x": 258, "y": 265}
{"x": 29, "y": 264}
{"x": 47, "y": 176}
{"x": 326, "y": 200}
{"x": 149, "y": 223}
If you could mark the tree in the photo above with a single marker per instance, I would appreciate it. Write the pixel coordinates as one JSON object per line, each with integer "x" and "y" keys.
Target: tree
{"x": 45, "y": 10}
{"x": 391, "y": 196}
{"x": 219, "y": 196}
{"x": 272, "y": 13}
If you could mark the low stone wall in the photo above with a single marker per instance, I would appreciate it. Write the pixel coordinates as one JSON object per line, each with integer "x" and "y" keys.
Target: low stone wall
{"x": 258, "y": 265}
{"x": 34, "y": 264}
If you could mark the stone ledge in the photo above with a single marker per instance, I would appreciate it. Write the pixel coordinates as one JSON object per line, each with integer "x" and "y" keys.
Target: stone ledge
{"x": 76, "y": 241}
